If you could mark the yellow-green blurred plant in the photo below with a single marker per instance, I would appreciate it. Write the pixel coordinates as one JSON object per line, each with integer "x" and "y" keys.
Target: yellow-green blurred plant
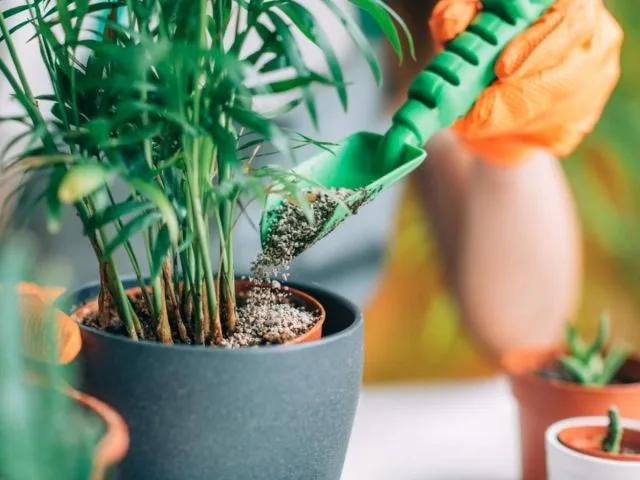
{"x": 605, "y": 172}
{"x": 44, "y": 434}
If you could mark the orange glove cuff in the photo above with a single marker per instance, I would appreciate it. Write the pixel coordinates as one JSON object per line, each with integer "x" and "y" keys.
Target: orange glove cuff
{"x": 552, "y": 81}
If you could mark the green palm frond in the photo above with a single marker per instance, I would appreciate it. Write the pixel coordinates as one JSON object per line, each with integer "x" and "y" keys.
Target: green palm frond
{"x": 158, "y": 95}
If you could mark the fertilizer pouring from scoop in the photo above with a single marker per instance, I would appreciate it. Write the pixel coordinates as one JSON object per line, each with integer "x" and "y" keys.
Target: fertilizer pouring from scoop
{"x": 364, "y": 164}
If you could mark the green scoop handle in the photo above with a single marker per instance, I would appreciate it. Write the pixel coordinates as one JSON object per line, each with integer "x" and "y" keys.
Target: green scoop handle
{"x": 444, "y": 91}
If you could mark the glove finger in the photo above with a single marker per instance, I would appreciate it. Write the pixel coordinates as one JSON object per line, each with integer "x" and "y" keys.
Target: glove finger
{"x": 451, "y": 17}
{"x": 583, "y": 108}
{"x": 508, "y": 106}
{"x": 564, "y": 142}
{"x": 566, "y": 26}
{"x": 515, "y": 102}
{"x": 559, "y": 129}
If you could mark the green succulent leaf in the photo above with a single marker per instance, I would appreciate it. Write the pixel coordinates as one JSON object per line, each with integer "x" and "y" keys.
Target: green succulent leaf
{"x": 602, "y": 336}
{"x": 578, "y": 371}
{"x": 612, "y": 364}
{"x": 577, "y": 347}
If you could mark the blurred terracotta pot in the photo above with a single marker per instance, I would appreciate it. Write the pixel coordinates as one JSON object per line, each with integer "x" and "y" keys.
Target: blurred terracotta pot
{"x": 114, "y": 444}
{"x": 542, "y": 401}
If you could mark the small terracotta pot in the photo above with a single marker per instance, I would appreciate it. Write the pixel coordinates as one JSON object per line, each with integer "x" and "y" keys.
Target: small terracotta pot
{"x": 315, "y": 333}
{"x": 543, "y": 402}
{"x": 573, "y": 450}
{"x": 114, "y": 444}
{"x": 587, "y": 439}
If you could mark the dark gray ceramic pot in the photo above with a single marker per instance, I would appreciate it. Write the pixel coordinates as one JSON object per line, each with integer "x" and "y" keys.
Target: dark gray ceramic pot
{"x": 199, "y": 413}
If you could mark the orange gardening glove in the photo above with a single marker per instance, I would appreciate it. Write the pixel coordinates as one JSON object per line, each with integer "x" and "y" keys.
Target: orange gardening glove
{"x": 35, "y": 302}
{"x": 553, "y": 80}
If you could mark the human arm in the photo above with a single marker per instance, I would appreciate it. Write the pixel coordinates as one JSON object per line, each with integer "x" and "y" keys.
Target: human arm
{"x": 499, "y": 204}
{"x": 509, "y": 240}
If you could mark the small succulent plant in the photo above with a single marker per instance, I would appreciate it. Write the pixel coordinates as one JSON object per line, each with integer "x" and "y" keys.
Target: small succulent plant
{"x": 589, "y": 364}
{"x": 612, "y": 440}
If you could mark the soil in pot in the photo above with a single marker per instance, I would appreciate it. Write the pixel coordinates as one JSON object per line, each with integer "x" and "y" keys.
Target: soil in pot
{"x": 268, "y": 314}
{"x": 588, "y": 440}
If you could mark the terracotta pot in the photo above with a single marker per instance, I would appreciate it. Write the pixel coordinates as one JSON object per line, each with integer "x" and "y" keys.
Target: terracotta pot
{"x": 573, "y": 450}
{"x": 113, "y": 445}
{"x": 315, "y": 333}
{"x": 542, "y": 401}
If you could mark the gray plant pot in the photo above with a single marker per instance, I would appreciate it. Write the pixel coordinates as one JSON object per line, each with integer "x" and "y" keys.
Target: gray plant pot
{"x": 205, "y": 413}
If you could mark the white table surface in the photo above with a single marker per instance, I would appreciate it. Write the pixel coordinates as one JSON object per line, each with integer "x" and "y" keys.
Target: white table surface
{"x": 449, "y": 431}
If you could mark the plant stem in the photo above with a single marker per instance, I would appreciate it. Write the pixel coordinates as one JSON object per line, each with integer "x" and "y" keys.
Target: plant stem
{"x": 164, "y": 329}
{"x": 135, "y": 265}
{"x": 196, "y": 294}
{"x": 172, "y": 303}
{"x": 124, "y": 307}
{"x": 110, "y": 281}
{"x": 205, "y": 260}
{"x": 105, "y": 299}
{"x": 226, "y": 279}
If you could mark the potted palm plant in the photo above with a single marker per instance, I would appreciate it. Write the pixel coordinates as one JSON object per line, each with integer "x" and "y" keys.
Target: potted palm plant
{"x": 160, "y": 96}
{"x": 575, "y": 380}
{"x": 586, "y": 448}
{"x": 48, "y": 431}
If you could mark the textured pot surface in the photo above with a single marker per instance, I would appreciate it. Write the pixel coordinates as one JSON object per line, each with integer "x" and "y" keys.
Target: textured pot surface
{"x": 542, "y": 402}
{"x": 276, "y": 412}
{"x": 564, "y": 463}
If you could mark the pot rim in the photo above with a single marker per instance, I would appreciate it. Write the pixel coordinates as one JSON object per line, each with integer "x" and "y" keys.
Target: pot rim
{"x": 593, "y": 434}
{"x": 114, "y": 444}
{"x": 552, "y": 440}
{"x": 204, "y": 349}
{"x": 507, "y": 364}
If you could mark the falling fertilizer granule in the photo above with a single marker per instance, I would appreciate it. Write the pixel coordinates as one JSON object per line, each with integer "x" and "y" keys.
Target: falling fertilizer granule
{"x": 292, "y": 233}
{"x": 267, "y": 314}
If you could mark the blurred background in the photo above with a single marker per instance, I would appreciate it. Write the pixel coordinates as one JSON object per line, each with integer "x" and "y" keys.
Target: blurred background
{"x": 604, "y": 175}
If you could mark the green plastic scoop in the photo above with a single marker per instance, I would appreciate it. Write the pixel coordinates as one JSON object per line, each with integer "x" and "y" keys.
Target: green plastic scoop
{"x": 367, "y": 163}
